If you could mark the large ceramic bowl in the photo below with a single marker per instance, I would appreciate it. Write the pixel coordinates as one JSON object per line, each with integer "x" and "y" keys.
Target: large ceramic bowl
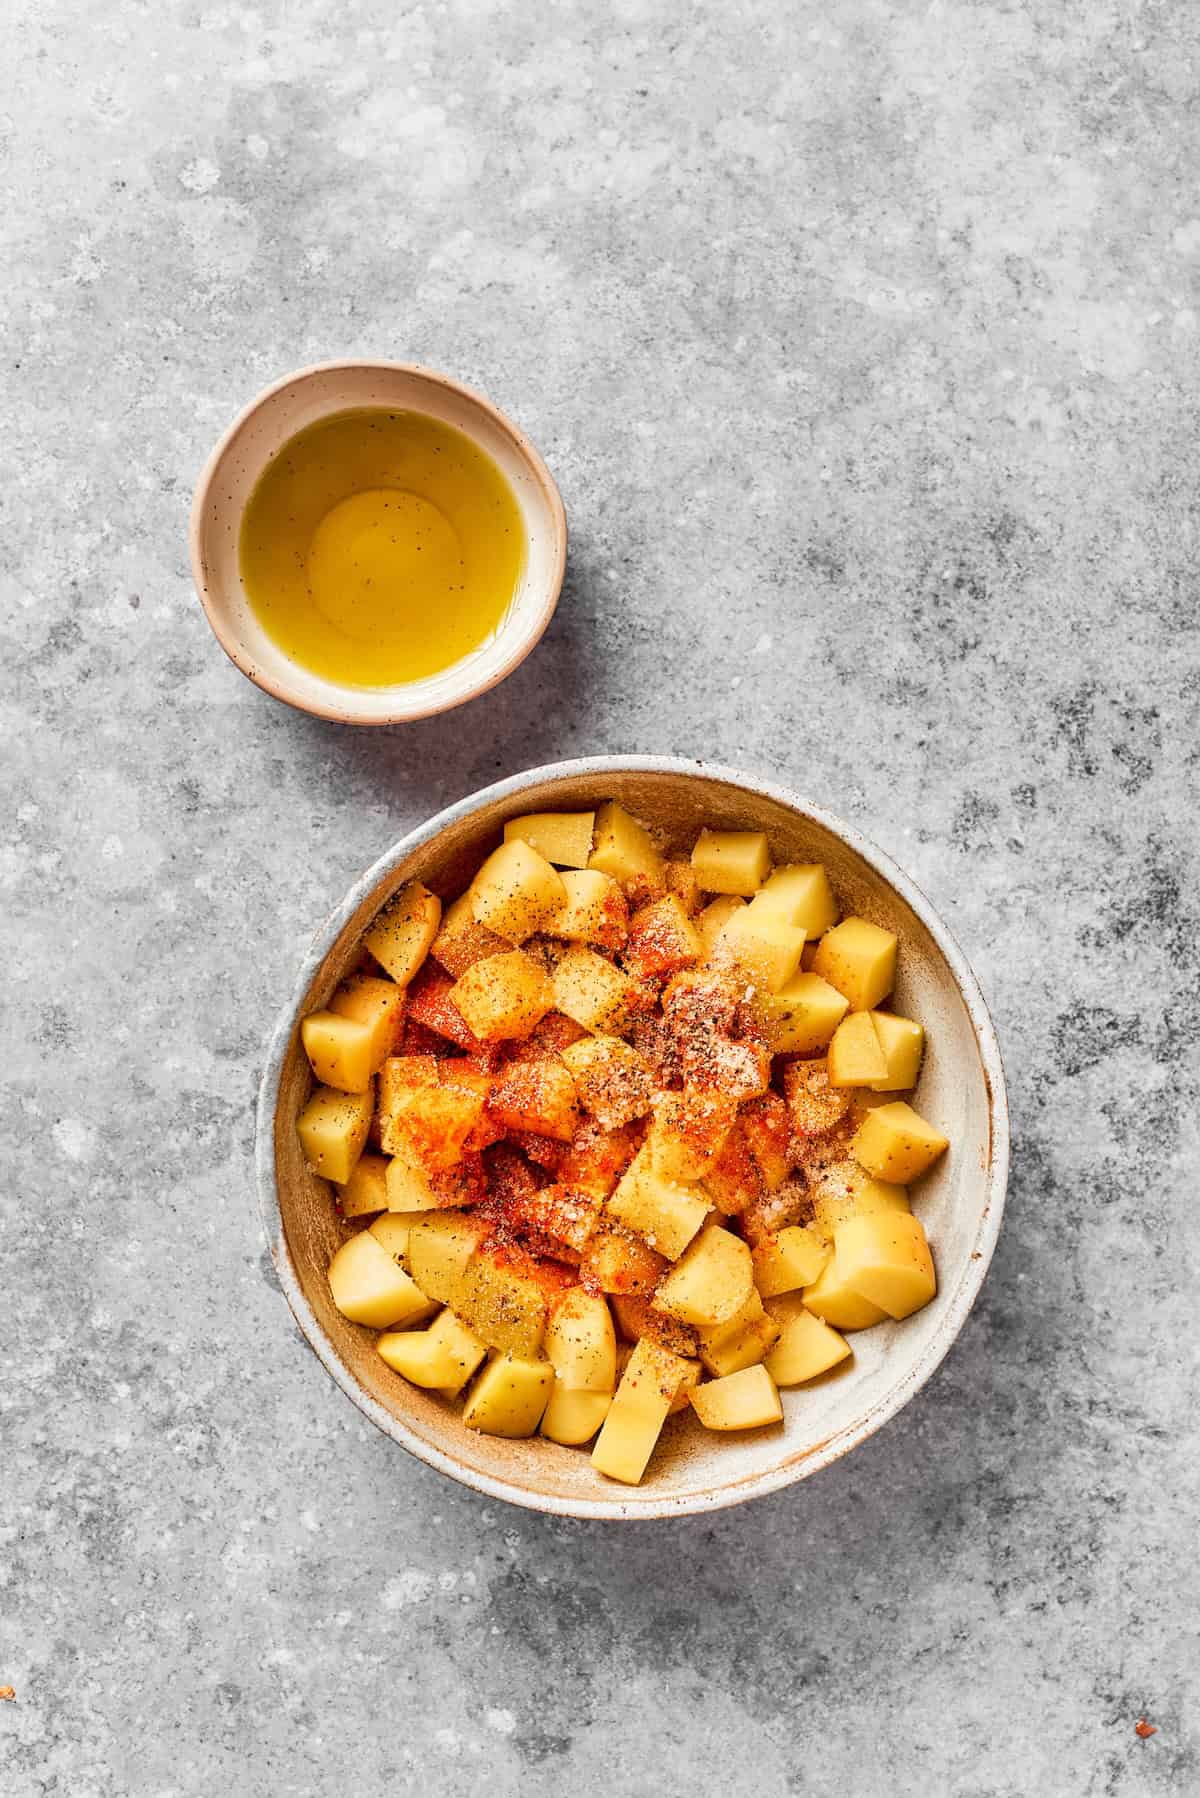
{"x": 960, "y": 1203}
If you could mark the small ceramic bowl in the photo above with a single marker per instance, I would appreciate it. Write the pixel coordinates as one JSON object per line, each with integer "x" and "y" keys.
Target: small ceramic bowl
{"x": 261, "y": 431}
{"x": 960, "y": 1201}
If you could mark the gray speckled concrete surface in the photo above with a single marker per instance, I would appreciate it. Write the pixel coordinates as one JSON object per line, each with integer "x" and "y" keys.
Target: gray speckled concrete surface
{"x": 863, "y": 343}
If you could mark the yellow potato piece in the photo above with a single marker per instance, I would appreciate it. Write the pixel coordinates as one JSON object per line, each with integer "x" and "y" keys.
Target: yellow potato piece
{"x": 731, "y": 861}
{"x": 366, "y": 1189}
{"x": 589, "y": 990}
{"x": 401, "y": 935}
{"x": 894, "y": 1143}
{"x": 580, "y": 1342}
{"x": 903, "y": 1044}
{"x": 767, "y": 950}
{"x": 516, "y": 892}
{"x": 792, "y": 1258}
{"x": 573, "y": 1417}
{"x": 803, "y": 1014}
{"x": 859, "y": 959}
{"x": 846, "y": 1190}
{"x": 333, "y": 1128}
{"x": 440, "y": 1247}
{"x": 711, "y": 1281}
{"x": 393, "y": 1233}
{"x": 886, "y": 1259}
{"x": 503, "y": 1303}
{"x": 624, "y": 848}
{"x": 611, "y": 1079}
{"x": 564, "y": 838}
{"x": 667, "y": 1215}
{"x": 408, "y": 1185}
{"x": 806, "y": 1347}
{"x": 683, "y": 1392}
{"x": 461, "y": 942}
{"x": 369, "y": 1288}
{"x": 839, "y": 1304}
{"x": 742, "y": 1342}
{"x": 634, "y": 1423}
{"x": 594, "y": 909}
{"x": 798, "y": 894}
{"x": 855, "y": 1057}
{"x": 338, "y": 1050}
{"x": 441, "y": 1358}
{"x": 379, "y": 1004}
{"x": 713, "y": 919}
{"x": 503, "y": 997}
{"x": 745, "y": 1400}
{"x": 509, "y": 1396}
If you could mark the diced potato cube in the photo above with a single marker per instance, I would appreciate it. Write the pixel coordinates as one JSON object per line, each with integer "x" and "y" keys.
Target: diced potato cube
{"x": 611, "y": 1079}
{"x": 745, "y": 1400}
{"x": 392, "y": 1231}
{"x": 859, "y": 959}
{"x": 839, "y": 1304}
{"x": 886, "y": 1259}
{"x": 333, "y": 1127}
{"x": 430, "y": 1125}
{"x": 806, "y": 1347}
{"x": 844, "y": 1190}
{"x": 688, "y": 1132}
{"x": 767, "y": 1127}
{"x": 731, "y": 861}
{"x": 713, "y": 919}
{"x": 638, "y": 1412}
{"x": 711, "y": 1281}
{"x": 735, "y": 1179}
{"x": 766, "y": 949}
{"x": 624, "y": 848}
{"x": 580, "y": 1342}
{"x": 461, "y": 941}
{"x": 636, "y": 1316}
{"x": 855, "y": 1057}
{"x": 662, "y": 939}
{"x": 503, "y": 1299}
{"x": 562, "y": 837}
{"x": 369, "y": 1288}
{"x": 803, "y": 1014}
{"x": 791, "y": 1259}
{"x": 894, "y": 1143}
{"x": 668, "y": 1215}
{"x": 815, "y": 1106}
{"x": 516, "y": 892}
{"x": 683, "y": 1392}
{"x": 537, "y": 1095}
{"x": 366, "y": 1189}
{"x": 573, "y": 1418}
{"x": 681, "y": 880}
{"x": 338, "y": 1050}
{"x": 742, "y": 1342}
{"x": 440, "y": 1247}
{"x": 800, "y": 895}
{"x": 503, "y": 997}
{"x": 618, "y": 1262}
{"x": 509, "y": 1396}
{"x": 590, "y": 990}
{"x": 903, "y": 1044}
{"x": 409, "y": 1187}
{"x": 401, "y": 935}
{"x": 379, "y": 1004}
{"x": 595, "y": 911}
{"x": 441, "y": 1358}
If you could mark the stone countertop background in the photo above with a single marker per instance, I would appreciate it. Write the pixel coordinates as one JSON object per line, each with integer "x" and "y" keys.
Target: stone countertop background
{"x": 862, "y": 340}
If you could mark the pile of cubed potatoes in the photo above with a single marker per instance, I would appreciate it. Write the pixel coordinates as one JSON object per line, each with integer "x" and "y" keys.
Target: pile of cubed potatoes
{"x": 625, "y": 1127}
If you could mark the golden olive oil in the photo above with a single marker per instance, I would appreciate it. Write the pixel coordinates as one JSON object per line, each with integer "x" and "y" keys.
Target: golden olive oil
{"x": 380, "y": 547}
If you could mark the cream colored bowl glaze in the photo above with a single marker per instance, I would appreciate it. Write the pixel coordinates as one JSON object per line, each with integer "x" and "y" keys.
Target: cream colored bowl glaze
{"x": 960, "y": 1203}
{"x": 261, "y": 431}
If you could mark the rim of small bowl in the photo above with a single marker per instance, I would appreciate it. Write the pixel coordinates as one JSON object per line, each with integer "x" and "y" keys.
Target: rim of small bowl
{"x": 803, "y": 1463}
{"x": 346, "y": 714}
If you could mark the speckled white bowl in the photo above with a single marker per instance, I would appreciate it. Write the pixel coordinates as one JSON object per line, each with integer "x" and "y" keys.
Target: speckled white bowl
{"x": 960, "y": 1202}
{"x": 260, "y": 432}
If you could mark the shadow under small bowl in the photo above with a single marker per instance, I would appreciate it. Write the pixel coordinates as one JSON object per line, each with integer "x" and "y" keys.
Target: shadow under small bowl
{"x": 960, "y": 1202}
{"x": 261, "y": 431}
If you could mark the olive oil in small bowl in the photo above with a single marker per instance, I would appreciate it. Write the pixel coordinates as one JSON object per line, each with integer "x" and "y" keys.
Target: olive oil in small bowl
{"x": 373, "y": 543}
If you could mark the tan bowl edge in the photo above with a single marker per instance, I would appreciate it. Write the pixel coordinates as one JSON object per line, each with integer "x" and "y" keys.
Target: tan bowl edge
{"x": 811, "y": 1458}
{"x": 229, "y": 643}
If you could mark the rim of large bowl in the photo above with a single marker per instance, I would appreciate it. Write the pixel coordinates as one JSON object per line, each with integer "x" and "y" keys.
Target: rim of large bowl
{"x": 523, "y": 645}
{"x": 805, "y": 1462}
